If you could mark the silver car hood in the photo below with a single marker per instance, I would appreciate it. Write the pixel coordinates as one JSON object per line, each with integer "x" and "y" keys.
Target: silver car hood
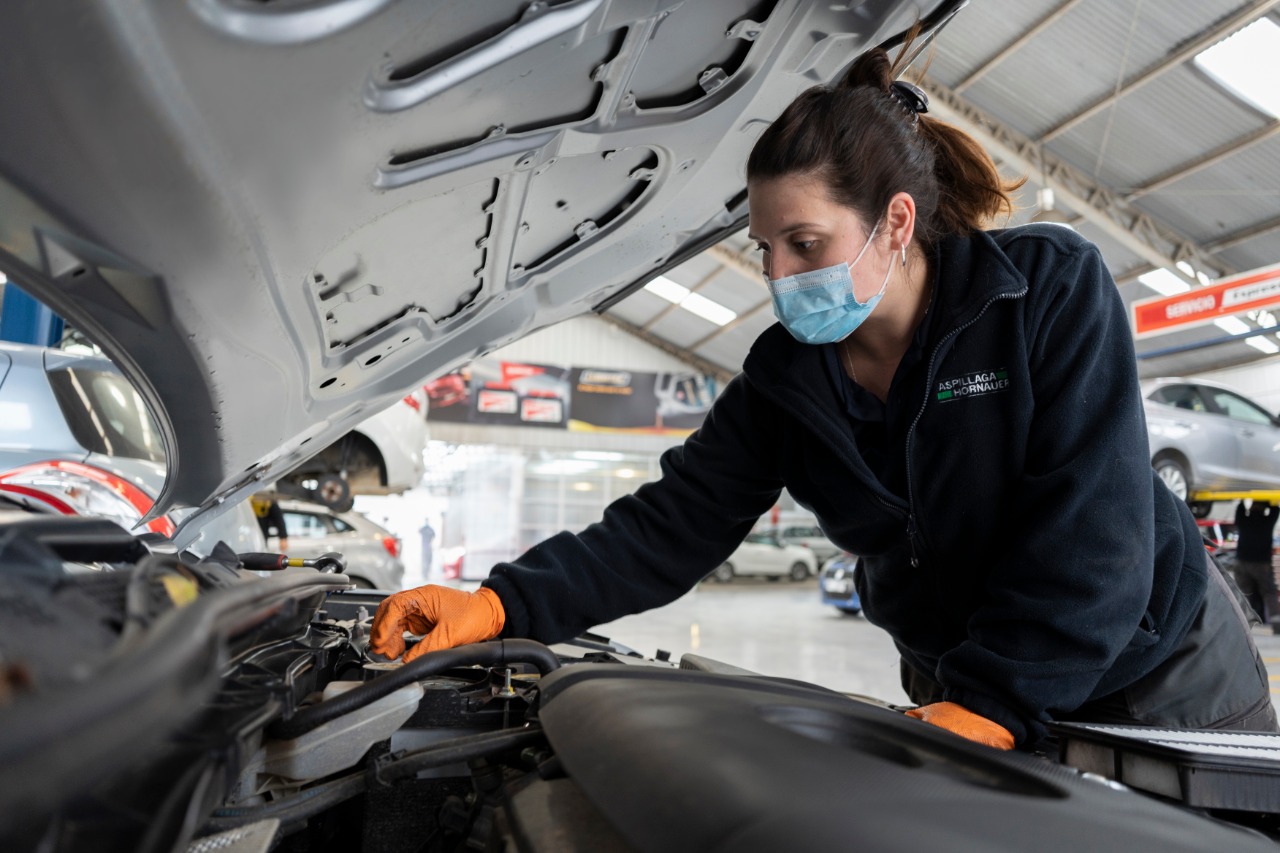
{"x": 277, "y": 217}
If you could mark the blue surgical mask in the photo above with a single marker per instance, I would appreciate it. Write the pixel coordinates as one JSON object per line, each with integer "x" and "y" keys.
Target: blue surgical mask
{"x": 818, "y": 307}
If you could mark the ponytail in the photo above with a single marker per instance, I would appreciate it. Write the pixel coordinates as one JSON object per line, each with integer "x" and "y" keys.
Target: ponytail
{"x": 868, "y": 138}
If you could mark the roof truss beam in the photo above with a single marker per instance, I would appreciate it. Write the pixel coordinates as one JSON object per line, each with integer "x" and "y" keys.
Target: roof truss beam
{"x": 1101, "y": 206}
{"x": 1230, "y": 149}
{"x": 686, "y": 355}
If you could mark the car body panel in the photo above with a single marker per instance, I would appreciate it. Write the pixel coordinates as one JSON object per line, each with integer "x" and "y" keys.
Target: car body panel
{"x": 837, "y": 583}
{"x": 762, "y": 555}
{"x": 811, "y": 537}
{"x": 1224, "y": 452}
{"x": 280, "y": 219}
{"x": 400, "y": 434}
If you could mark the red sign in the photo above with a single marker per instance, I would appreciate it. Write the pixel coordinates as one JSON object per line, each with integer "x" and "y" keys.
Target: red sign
{"x": 1248, "y": 291}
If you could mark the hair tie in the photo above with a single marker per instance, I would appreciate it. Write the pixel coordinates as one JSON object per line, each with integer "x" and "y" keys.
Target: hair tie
{"x": 910, "y": 96}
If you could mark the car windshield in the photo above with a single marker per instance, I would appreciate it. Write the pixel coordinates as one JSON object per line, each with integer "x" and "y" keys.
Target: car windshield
{"x": 106, "y": 415}
{"x": 763, "y": 539}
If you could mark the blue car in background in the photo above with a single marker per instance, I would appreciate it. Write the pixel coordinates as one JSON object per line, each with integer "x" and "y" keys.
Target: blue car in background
{"x": 836, "y": 583}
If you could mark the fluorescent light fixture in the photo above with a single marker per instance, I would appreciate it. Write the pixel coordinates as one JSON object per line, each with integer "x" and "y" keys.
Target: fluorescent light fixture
{"x": 1232, "y": 325}
{"x": 3, "y": 278}
{"x": 1164, "y": 282}
{"x": 667, "y": 289}
{"x": 1247, "y": 64}
{"x": 583, "y": 487}
{"x": 1186, "y": 268}
{"x": 1258, "y": 342}
{"x": 598, "y": 455}
{"x": 625, "y": 473}
{"x": 706, "y": 309}
{"x": 692, "y": 302}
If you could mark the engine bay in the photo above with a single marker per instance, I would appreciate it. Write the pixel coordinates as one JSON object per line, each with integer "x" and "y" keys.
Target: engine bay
{"x": 156, "y": 701}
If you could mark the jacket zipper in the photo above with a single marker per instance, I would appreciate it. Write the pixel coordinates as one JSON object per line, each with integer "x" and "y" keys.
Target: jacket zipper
{"x": 913, "y": 529}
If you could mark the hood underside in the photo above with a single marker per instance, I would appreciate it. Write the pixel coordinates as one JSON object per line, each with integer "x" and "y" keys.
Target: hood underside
{"x": 277, "y": 217}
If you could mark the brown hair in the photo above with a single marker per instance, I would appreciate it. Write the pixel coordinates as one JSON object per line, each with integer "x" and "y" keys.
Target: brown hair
{"x": 862, "y": 139}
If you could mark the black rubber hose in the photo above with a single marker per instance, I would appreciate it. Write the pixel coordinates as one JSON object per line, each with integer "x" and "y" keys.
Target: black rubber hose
{"x": 297, "y": 807}
{"x": 493, "y": 653}
{"x": 408, "y": 765}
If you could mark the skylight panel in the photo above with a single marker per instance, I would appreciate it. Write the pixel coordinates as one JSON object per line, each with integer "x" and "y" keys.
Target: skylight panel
{"x": 707, "y": 309}
{"x": 1247, "y": 64}
{"x": 667, "y": 289}
{"x": 1258, "y": 342}
{"x": 694, "y": 303}
{"x": 1232, "y": 325}
{"x": 1164, "y": 282}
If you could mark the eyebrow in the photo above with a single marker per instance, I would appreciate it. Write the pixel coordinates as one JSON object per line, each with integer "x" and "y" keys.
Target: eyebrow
{"x": 799, "y": 226}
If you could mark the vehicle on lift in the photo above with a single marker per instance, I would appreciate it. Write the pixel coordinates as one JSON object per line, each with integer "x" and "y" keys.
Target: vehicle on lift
{"x": 765, "y": 555}
{"x": 837, "y": 583}
{"x": 1208, "y": 437}
{"x": 371, "y": 551}
{"x": 381, "y": 456}
{"x": 280, "y": 218}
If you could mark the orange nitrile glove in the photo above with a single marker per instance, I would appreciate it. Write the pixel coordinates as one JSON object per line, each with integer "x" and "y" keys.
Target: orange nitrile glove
{"x": 449, "y": 617}
{"x": 959, "y": 720}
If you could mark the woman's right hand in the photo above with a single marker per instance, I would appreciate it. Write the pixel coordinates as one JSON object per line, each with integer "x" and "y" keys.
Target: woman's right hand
{"x": 448, "y": 617}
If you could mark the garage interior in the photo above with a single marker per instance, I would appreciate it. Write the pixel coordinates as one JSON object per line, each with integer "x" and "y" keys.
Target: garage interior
{"x": 1126, "y": 127}
{"x": 1151, "y": 129}
{"x": 1123, "y": 132}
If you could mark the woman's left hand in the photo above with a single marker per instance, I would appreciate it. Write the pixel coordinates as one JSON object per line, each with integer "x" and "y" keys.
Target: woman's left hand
{"x": 959, "y": 720}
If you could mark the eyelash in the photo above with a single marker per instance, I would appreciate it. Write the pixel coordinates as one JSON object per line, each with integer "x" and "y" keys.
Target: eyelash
{"x": 802, "y": 245}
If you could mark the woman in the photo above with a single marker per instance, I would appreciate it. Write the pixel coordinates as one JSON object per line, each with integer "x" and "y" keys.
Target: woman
{"x": 961, "y": 408}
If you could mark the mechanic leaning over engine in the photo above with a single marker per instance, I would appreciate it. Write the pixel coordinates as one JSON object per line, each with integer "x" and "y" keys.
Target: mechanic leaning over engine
{"x": 960, "y": 408}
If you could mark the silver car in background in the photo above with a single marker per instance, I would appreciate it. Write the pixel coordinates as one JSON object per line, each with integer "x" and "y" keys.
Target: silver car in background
{"x": 77, "y": 439}
{"x": 372, "y": 552}
{"x": 1206, "y": 436}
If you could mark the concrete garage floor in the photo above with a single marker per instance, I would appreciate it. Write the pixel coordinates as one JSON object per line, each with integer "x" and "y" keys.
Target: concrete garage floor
{"x": 781, "y": 629}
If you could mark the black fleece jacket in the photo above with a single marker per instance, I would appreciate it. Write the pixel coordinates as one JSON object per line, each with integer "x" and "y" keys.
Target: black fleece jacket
{"x": 1035, "y": 563}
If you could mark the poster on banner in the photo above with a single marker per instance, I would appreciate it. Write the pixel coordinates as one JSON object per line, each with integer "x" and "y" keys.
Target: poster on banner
{"x": 502, "y": 393}
{"x": 1249, "y": 291}
{"x": 581, "y": 399}
{"x": 634, "y": 402}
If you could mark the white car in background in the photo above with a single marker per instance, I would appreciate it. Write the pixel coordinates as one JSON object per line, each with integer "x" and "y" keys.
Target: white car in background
{"x": 765, "y": 555}
{"x": 382, "y": 455}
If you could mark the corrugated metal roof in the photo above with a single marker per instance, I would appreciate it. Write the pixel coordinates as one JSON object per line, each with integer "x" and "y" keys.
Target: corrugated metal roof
{"x": 1088, "y": 50}
{"x": 1172, "y": 121}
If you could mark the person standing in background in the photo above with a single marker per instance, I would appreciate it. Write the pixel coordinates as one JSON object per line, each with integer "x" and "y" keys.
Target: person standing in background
{"x": 428, "y": 534}
{"x": 270, "y": 519}
{"x": 1256, "y": 525}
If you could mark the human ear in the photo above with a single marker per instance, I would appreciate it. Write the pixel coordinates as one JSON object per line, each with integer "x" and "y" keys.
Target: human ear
{"x": 901, "y": 221}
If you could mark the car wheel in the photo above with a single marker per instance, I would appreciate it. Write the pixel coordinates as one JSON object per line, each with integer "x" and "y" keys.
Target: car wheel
{"x": 1201, "y": 509}
{"x": 1174, "y": 475}
{"x": 723, "y": 573}
{"x": 799, "y": 572}
{"x": 335, "y": 493}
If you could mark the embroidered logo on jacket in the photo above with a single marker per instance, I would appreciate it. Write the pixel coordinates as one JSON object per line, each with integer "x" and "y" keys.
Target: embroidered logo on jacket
{"x": 973, "y": 385}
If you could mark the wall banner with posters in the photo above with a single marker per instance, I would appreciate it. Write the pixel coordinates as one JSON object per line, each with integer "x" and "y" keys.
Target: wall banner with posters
{"x": 580, "y": 399}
